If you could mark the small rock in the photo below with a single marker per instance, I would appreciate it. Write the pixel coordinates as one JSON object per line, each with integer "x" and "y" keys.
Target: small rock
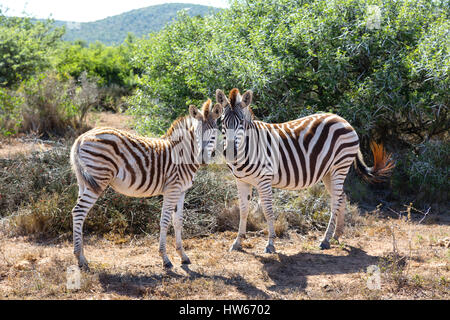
{"x": 326, "y": 287}
{"x": 44, "y": 261}
{"x": 23, "y": 265}
{"x": 444, "y": 242}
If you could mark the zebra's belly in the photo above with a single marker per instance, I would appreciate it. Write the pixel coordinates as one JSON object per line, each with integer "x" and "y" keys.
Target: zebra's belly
{"x": 292, "y": 185}
{"x": 281, "y": 183}
{"x": 135, "y": 190}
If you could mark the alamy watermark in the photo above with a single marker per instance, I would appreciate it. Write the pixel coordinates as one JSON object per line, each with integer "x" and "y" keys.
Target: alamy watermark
{"x": 73, "y": 278}
{"x": 373, "y": 20}
{"x": 250, "y": 147}
{"x": 374, "y": 279}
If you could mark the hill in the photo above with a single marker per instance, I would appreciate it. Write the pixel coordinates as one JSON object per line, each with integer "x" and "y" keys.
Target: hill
{"x": 113, "y": 30}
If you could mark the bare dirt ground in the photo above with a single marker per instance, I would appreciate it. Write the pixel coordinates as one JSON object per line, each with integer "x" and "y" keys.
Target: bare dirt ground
{"x": 413, "y": 260}
{"x": 24, "y": 145}
{"x": 108, "y": 119}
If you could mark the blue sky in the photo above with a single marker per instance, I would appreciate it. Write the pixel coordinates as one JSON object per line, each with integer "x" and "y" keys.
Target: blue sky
{"x": 86, "y": 10}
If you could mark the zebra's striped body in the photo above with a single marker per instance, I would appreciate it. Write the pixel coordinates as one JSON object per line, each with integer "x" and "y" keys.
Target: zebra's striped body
{"x": 142, "y": 167}
{"x": 292, "y": 155}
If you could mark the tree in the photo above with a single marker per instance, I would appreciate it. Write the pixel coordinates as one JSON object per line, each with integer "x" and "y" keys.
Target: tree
{"x": 300, "y": 57}
{"x": 24, "y": 47}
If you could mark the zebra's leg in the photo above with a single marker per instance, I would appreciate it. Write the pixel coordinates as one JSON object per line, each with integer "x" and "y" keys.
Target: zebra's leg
{"x": 340, "y": 216}
{"x": 86, "y": 200}
{"x": 244, "y": 191}
{"x": 265, "y": 195}
{"x": 169, "y": 203}
{"x": 177, "y": 221}
{"x": 334, "y": 182}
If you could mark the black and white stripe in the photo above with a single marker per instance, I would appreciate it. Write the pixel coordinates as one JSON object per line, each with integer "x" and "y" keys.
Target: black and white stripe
{"x": 292, "y": 155}
{"x": 137, "y": 166}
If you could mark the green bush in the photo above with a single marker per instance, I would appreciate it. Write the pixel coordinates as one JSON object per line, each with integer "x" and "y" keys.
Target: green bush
{"x": 388, "y": 75}
{"x": 55, "y": 106}
{"x": 300, "y": 58}
{"x": 25, "y": 47}
{"x": 424, "y": 173}
{"x": 10, "y": 115}
{"x": 108, "y": 65}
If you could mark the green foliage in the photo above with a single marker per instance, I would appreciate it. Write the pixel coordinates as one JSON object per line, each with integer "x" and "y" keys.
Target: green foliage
{"x": 24, "y": 47}
{"x": 109, "y": 65}
{"x": 303, "y": 57}
{"x": 10, "y": 115}
{"x": 55, "y": 106}
{"x": 113, "y": 30}
{"x": 424, "y": 173}
{"x": 387, "y": 74}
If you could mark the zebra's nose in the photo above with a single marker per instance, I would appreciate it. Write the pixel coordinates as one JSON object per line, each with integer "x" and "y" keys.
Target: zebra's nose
{"x": 213, "y": 154}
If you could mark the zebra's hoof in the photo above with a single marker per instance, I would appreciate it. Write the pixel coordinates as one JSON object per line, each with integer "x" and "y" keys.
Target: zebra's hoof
{"x": 336, "y": 240}
{"x": 168, "y": 265}
{"x": 84, "y": 267}
{"x": 324, "y": 245}
{"x": 186, "y": 261}
{"x": 83, "y": 264}
{"x": 236, "y": 247}
{"x": 269, "y": 249}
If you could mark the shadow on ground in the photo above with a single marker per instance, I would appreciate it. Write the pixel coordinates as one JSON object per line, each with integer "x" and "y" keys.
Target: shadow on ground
{"x": 286, "y": 271}
{"x": 290, "y": 272}
{"x": 138, "y": 285}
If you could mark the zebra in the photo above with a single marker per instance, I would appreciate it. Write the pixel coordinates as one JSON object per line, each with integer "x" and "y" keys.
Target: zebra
{"x": 292, "y": 155}
{"x": 138, "y": 166}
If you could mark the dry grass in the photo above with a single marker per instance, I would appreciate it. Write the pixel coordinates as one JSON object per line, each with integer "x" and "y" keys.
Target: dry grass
{"x": 122, "y": 242}
{"x": 418, "y": 268}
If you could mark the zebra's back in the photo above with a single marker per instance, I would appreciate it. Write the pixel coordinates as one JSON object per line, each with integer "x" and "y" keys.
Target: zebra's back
{"x": 306, "y": 149}
{"x": 132, "y": 165}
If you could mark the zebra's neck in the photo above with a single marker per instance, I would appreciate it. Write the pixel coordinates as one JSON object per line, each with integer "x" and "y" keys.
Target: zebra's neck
{"x": 258, "y": 150}
{"x": 184, "y": 149}
{"x": 245, "y": 148}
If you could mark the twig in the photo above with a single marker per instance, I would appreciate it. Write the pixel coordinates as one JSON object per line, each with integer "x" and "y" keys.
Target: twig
{"x": 425, "y": 214}
{"x": 8, "y": 263}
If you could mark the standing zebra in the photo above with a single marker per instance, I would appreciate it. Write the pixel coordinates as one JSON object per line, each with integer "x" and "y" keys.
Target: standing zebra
{"x": 292, "y": 155}
{"x": 142, "y": 167}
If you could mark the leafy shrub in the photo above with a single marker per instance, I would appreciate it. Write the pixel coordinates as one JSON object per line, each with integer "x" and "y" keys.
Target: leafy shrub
{"x": 55, "y": 106}
{"x": 317, "y": 55}
{"x": 387, "y": 75}
{"x": 24, "y": 47}
{"x": 10, "y": 115}
{"x": 424, "y": 173}
{"x": 108, "y": 65}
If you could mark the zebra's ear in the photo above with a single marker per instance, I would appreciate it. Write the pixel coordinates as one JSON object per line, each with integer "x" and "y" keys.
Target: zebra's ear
{"x": 195, "y": 113}
{"x": 246, "y": 99}
{"x": 221, "y": 98}
{"x": 216, "y": 111}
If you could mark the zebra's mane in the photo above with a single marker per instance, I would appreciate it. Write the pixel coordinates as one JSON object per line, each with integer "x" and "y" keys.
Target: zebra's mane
{"x": 183, "y": 123}
{"x": 206, "y": 108}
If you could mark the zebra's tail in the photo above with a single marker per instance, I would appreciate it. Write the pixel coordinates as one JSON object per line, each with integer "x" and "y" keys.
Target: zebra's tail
{"x": 382, "y": 165}
{"x": 79, "y": 169}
